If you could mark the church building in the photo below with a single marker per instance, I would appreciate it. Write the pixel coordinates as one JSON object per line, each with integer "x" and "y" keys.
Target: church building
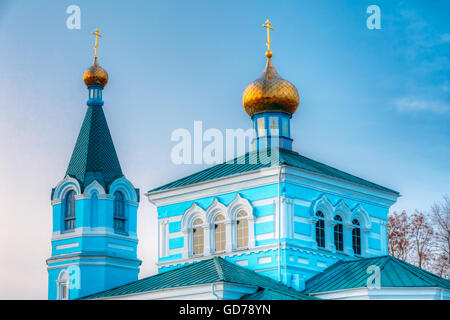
{"x": 270, "y": 224}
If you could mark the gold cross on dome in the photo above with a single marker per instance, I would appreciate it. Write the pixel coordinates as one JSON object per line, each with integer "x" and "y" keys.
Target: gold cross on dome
{"x": 261, "y": 127}
{"x": 273, "y": 126}
{"x": 268, "y": 27}
{"x": 285, "y": 128}
{"x": 97, "y": 34}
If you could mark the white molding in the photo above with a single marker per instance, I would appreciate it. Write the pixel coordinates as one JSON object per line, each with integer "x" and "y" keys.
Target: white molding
{"x": 210, "y": 291}
{"x": 341, "y": 188}
{"x": 236, "y": 253}
{"x": 96, "y": 232}
{"x": 265, "y": 236}
{"x": 216, "y": 187}
{"x": 67, "y": 246}
{"x": 386, "y": 293}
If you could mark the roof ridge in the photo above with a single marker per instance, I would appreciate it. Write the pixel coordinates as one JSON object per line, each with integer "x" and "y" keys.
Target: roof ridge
{"x": 219, "y": 268}
{"x": 317, "y": 275}
{"x": 413, "y": 269}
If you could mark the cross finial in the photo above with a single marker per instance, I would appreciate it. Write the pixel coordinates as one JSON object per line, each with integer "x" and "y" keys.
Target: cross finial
{"x": 268, "y": 27}
{"x": 97, "y": 34}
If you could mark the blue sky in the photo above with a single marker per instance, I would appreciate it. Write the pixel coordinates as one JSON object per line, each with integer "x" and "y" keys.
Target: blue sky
{"x": 374, "y": 103}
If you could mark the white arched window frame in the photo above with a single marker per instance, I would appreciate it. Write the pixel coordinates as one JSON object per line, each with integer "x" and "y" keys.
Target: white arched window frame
{"x": 220, "y": 234}
{"x": 193, "y": 213}
{"x": 319, "y": 230}
{"x": 342, "y": 210}
{"x": 120, "y": 215}
{"x": 338, "y": 233}
{"x": 237, "y": 206}
{"x": 365, "y": 225}
{"x": 356, "y": 237}
{"x": 324, "y": 206}
{"x": 214, "y": 210}
{"x": 69, "y": 211}
{"x": 62, "y": 285}
{"x": 242, "y": 230}
{"x": 198, "y": 237}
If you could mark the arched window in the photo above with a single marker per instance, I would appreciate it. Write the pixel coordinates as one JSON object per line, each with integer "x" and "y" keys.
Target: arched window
{"x": 119, "y": 213}
{"x": 320, "y": 229}
{"x": 62, "y": 284}
{"x": 338, "y": 234}
{"x": 242, "y": 229}
{"x": 356, "y": 237}
{"x": 69, "y": 211}
{"x": 198, "y": 236}
{"x": 219, "y": 233}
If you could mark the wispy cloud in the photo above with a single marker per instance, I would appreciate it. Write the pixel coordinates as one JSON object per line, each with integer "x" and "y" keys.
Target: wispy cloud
{"x": 409, "y": 104}
{"x": 445, "y": 38}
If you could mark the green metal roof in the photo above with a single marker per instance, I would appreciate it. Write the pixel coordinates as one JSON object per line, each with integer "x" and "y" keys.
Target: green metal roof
{"x": 353, "y": 274}
{"x": 206, "y": 271}
{"x": 272, "y": 294}
{"x": 251, "y": 162}
{"x": 94, "y": 156}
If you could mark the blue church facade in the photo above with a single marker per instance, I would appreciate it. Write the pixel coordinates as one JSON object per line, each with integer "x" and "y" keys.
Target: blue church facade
{"x": 277, "y": 212}
{"x": 269, "y": 224}
{"x": 298, "y": 222}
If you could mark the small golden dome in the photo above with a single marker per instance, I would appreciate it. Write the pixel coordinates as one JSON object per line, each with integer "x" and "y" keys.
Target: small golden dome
{"x": 270, "y": 92}
{"x": 95, "y": 75}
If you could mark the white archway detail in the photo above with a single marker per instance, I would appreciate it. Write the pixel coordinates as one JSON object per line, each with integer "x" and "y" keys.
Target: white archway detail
{"x": 187, "y": 221}
{"x": 324, "y": 205}
{"x": 94, "y": 186}
{"x": 68, "y": 183}
{"x": 212, "y": 212}
{"x": 193, "y": 212}
{"x": 62, "y": 285}
{"x": 235, "y": 206}
{"x": 343, "y": 210}
{"x": 216, "y": 208}
{"x": 122, "y": 184}
{"x": 363, "y": 217}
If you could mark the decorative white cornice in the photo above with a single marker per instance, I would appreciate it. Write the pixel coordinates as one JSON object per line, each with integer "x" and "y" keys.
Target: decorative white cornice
{"x": 96, "y": 232}
{"x": 216, "y": 187}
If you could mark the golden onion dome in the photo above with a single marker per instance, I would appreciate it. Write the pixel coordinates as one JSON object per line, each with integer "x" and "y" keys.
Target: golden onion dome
{"x": 95, "y": 75}
{"x": 270, "y": 92}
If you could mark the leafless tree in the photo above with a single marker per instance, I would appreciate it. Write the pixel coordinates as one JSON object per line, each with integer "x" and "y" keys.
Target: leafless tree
{"x": 421, "y": 239}
{"x": 440, "y": 215}
{"x": 398, "y": 236}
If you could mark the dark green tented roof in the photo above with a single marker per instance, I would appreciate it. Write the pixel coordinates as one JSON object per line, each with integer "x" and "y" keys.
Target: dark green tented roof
{"x": 94, "y": 156}
{"x": 206, "y": 271}
{"x": 353, "y": 274}
{"x": 250, "y": 162}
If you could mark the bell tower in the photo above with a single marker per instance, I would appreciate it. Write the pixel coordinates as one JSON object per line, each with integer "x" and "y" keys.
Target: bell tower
{"x": 94, "y": 239}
